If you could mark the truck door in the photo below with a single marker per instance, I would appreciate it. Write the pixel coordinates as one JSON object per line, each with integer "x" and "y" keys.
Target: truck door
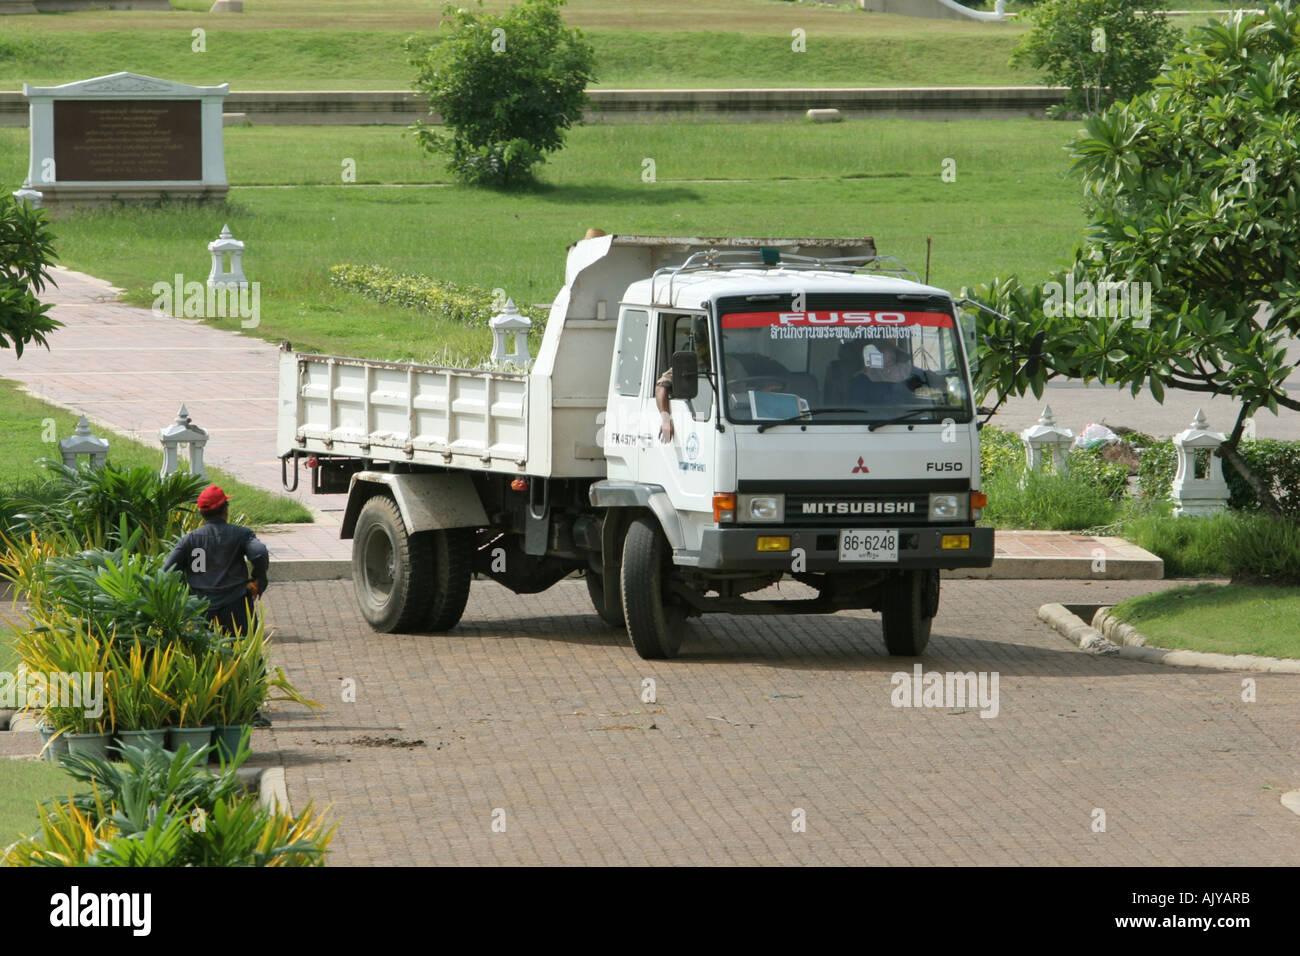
{"x": 627, "y": 426}
{"x": 684, "y": 466}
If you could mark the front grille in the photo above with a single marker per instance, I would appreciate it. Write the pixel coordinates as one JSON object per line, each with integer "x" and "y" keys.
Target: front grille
{"x": 847, "y": 510}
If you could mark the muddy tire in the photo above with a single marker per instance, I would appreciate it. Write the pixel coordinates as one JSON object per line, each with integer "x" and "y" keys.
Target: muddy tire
{"x": 452, "y": 554}
{"x": 656, "y": 621}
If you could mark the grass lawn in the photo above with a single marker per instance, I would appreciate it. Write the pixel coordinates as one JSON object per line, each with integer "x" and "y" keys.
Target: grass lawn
{"x": 1012, "y": 208}
{"x": 1223, "y": 619}
{"x": 23, "y": 421}
{"x": 23, "y": 785}
{"x": 357, "y": 44}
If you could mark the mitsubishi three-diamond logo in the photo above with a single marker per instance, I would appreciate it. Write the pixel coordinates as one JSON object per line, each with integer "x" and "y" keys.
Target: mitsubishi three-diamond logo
{"x": 860, "y": 467}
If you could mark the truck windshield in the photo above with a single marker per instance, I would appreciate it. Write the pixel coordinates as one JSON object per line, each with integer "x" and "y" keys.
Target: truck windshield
{"x": 842, "y": 366}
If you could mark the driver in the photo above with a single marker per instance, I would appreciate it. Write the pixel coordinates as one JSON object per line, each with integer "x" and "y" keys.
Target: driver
{"x": 894, "y": 381}
{"x": 664, "y": 385}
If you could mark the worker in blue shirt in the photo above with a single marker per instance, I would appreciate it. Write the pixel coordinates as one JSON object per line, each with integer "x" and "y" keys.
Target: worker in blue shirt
{"x": 212, "y": 558}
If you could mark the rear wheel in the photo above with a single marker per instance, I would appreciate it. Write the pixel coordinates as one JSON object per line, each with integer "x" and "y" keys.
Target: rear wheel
{"x": 452, "y": 553}
{"x": 656, "y": 621}
{"x": 909, "y": 607}
{"x": 596, "y": 591}
{"x": 390, "y": 568}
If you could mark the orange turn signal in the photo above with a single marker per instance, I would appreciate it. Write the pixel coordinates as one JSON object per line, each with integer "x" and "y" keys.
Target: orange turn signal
{"x": 978, "y": 499}
{"x": 724, "y": 508}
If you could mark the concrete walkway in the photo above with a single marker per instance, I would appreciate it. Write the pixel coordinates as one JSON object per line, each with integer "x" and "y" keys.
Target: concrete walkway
{"x": 129, "y": 370}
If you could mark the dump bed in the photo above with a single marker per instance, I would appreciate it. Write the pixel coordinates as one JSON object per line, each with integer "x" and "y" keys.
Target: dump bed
{"x": 391, "y": 411}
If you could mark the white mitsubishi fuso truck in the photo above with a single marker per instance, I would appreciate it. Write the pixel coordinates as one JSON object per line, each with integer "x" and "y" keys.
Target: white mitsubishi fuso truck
{"x": 823, "y": 430}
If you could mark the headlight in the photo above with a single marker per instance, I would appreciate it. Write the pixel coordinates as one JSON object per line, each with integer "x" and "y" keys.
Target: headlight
{"x": 947, "y": 507}
{"x": 762, "y": 508}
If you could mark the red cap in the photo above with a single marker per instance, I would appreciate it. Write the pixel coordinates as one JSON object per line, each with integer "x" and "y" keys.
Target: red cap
{"x": 212, "y": 498}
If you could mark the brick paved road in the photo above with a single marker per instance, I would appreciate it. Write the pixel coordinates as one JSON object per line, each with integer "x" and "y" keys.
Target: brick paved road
{"x": 533, "y": 707}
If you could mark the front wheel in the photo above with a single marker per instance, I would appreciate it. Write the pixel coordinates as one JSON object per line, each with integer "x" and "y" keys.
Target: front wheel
{"x": 909, "y": 607}
{"x": 655, "y": 619}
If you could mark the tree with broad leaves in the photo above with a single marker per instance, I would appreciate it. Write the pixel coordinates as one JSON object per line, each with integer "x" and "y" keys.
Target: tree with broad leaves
{"x": 1102, "y": 50}
{"x": 507, "y": 86}
{"x": 26, "y": 254}
{"x": 1194, "y": 188}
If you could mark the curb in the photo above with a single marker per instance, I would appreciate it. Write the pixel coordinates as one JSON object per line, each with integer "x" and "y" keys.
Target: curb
{"x": 1088, "y": 638}
{"x": 1062, "y": 569}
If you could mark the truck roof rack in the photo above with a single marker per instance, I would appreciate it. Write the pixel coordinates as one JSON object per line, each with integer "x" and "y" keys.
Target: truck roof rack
{"x": 768, "y": 257}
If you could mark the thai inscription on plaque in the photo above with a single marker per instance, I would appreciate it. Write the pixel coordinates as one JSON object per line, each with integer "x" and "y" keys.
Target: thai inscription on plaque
{"x": 127, "y": 140}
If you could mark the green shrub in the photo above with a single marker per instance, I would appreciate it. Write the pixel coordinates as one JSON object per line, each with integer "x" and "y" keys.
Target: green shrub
{"x": 128, "y": 597}
{"x": 1109, "y": 476}
{"x": 1277, "y": 463}
{"x": 1156, "y": 470}
{"x": 464, "y": 304}
{"x": 1000, "y": 452}
{"x": 96, "y": 507}
{"x": 158, "y": 808}
{"x": 1047, "y": 501}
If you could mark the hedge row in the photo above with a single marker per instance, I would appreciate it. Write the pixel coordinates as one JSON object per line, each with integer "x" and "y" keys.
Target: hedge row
{"x": 464, "y": 304}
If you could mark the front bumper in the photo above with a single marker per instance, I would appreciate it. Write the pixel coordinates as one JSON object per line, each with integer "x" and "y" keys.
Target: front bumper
{"x": 735, "y": 549}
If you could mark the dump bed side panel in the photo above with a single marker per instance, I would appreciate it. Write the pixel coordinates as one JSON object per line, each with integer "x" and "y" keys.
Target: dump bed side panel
{"x": 388, "y": 411}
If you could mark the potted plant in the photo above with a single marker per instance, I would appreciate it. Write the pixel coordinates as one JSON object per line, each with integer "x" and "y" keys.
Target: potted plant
{"x": 69, "y": 663}
{"x": 196, "y": 686}
{"x": 138, "y": 681}
{"x": 53, "y": 743}
{"x": 249, "y": 687}
{"x": 241, "y": 696}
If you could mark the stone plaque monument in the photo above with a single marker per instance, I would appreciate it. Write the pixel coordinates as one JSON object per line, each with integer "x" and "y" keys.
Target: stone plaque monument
{"x": 126, "y": 137}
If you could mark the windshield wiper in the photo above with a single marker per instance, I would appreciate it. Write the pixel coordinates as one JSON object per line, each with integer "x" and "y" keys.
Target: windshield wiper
{"x": 802, "y": 415}
{"x": 906, "y": 415}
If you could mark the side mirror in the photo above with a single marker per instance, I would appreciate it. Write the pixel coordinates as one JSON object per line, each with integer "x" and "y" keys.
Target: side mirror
{"x": 686, "y": 371}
